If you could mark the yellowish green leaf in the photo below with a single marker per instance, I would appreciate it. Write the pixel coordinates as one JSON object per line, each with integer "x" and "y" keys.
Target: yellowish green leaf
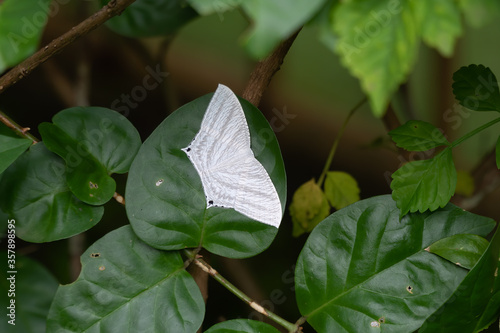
{"x": 309, "y": 207}
{"x": 341, "y": 189}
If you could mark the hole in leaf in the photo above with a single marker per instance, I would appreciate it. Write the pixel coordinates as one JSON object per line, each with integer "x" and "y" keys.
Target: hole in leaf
{"x": 95, "y": 255}
{"x": 381, "y": 320}
{"x": 409, "y": 289}
{"x": 159, "y": 182}
{"x": 375, "y": 324}
{"x": 93, "y": 186}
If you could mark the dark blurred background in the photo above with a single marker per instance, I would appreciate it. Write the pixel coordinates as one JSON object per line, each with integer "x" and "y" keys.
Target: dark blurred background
{"x": 312, "y": 88}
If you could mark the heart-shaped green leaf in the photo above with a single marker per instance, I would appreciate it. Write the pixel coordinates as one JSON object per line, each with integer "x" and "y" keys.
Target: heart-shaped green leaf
{"x": 166, "y": 203}
{"x": 11, "y": 146}
{"x": 425, "y": 184}
{"x": 127, "y": 286}
{"x": 32, "y": 289}
{"x": 462, "y": 250}
{"x": 476, "y": 88}
{"x": 341, "y": 189}
{"x": 417, "y": 135}
{"x": 465, "y": 310}
{"x": 33, "y": 190}
{"x": 145, "y": 18}
{"x": 21, "y": 26}
{"x": 242, "y": 326}
{"x": 364, "y": 269}
{"x": 95, "y": 142}
{"x": 275, "y": 21}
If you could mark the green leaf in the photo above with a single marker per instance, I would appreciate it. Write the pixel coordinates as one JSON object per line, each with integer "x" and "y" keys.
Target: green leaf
{"x": 308, "y": 208}
{"x": 497, "y": 153}
{"x": 95, "y": 142}
{"x": 464, "y": 309}
{"x": 378, "y": 42}
{"x": 462, "y": 250}
{"x": 34, "y": 289}
{"x": 145, "y": 18}
{"x": 476, "y": 88}
{"x": 425, "y": 184}
{"x": 363, "y": 267}
{"x": 11, "y": 146}
{"x": 21, "y": 26}
{"x": 440, "y": 21}
{"x": 33, "y": 190}
{"x": 341, "y": 189}
{"x": 465, "y": 183}
{"x": 207, "y": 7}
{"x": 274, "y": 21}
{"x": 166, "y": 204}
{"x": 127, "y": 286}
{"x": 478, "y": 13}
{"x": 490, "y": 313}
{"x": 242, "y": 326}
{"x": 417, "y": 135}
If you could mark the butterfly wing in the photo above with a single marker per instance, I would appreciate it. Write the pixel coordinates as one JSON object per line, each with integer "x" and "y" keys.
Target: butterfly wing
{"x": 230, "y": 174}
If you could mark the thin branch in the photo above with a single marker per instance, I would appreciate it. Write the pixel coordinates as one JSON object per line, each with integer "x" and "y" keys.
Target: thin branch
{"x": 264, "y": 71}
{"x": 254, "y": 305}
{"x": 19, "y": 130}
{"x": 113, "y": 8}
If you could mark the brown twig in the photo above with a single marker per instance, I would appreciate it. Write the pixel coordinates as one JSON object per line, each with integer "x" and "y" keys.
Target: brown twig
{"x": 19, "y": 130}
{"x": 113, "y": 8}
{"x": 264, "y": 71}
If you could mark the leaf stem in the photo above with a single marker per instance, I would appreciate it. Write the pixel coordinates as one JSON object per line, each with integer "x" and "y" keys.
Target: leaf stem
{"x": 337, "y": 140}
{"x": 19, "y": 130}
{"x": 229, "y": 286}
{"x": 474, "y": 132}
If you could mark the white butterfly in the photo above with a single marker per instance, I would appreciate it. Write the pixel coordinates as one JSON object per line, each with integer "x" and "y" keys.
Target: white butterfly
{"x": 230, "y": 174}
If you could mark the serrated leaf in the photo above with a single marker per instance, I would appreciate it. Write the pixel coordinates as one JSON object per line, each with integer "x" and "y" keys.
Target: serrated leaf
{"x": 426, "y": 184}
{"x": 418, "y": 135}
{"x": 465, "y": 183}
{"x": 95, "y": 142}
{"x": 440, "y": 21}
{"x": 476, "y": 88}
{"x": 341, "y": 189}
{"x": 207, "y": 7}
{"x": 127, "y": 286}
{"x": 462, "y": 250}
{"x": 479, "y": 12}
{"x": 364, "y": 269}
{"x": 274, "y": 21}
{"x": 34, "y": 288}
{"x": 21, "y": 26}
{"x": 308, "y": 208}
{"x": 33, "y": 190}
{"x": 463, "y": 311}
{"x": 145, "y": 18}
{"x": 166, "y": 203}
{"x": 378, "y": 43}
{"x": 242, "y": 326}
{"x": 11, "y": 146}
{"x": 497, "y": 153}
